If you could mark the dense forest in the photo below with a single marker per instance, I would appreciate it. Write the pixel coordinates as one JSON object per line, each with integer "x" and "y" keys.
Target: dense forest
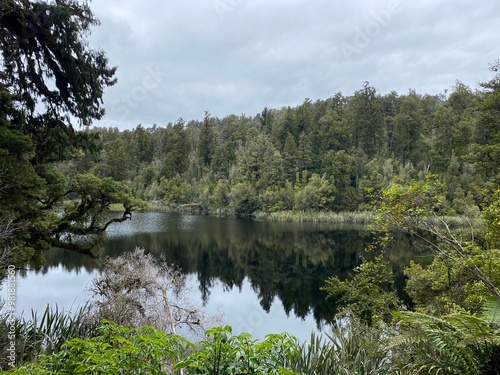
{"x": 335, "y": 154}
{"x": 412, "y": 159}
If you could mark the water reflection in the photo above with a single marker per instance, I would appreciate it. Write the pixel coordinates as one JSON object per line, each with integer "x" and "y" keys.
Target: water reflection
{"x": 287, "y": 261}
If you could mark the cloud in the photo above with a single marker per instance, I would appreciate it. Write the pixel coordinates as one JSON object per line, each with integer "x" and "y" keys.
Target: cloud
{"x": 239, "y": 56}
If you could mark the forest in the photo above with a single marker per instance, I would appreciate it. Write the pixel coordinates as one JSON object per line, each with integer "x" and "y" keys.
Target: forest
{"x": 336, "y": 154}
{"x": 414, "y": 162}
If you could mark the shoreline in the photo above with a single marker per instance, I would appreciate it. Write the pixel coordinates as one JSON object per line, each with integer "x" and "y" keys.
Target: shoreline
{"x": 364, "y": 218}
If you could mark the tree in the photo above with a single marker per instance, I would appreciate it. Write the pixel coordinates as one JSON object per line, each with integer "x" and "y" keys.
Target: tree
{"x": 206, "y": 144}
{"x": 260, "y": 163}
{"x": 331, "y": 132}
{"x": 366, "y": 119}
{"x": 304, "y": 153}
{"x": 453, "y": 127}
{"x": 143, "y": 146}
{"x": 42, "y": 44}
{"x": 486, "y": 150}
{"x": 417, "y": 208}
{"x": 283, "y": 125}
{"x": 370, "y": 296}
{"x": 342, "y": 166}
{"x": 407, "y": 129}
{"x": 51, "y": 77}
{"x": 177, "y": 145}
{"x": 243, "y": 199}
{"x": 117, "y": 160}
{"x": 317, "y": 194}
{"x": 289, "y": 154}
{"x": 135, "y": 290}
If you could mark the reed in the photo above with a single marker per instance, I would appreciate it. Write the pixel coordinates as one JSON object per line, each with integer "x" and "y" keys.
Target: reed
{"x": 346, "y": 217}
{"x": 354, "y": 217}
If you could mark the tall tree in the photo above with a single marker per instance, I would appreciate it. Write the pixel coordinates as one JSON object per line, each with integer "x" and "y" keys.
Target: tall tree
{"x": 177, "y": 145}
{"x": 290, "y": 160}
{"x": 453, "y": 127}
{"x": 206, "y": 144}
{"x": 367, "y": 120}
{"x": 50, "y": 78}
{"x": 261, "y": 164}
{"x": 486, "y": 151}
{"x": 407, "y": 129}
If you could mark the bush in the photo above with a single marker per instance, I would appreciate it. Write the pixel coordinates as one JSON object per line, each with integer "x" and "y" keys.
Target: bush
{"x": 116, "y": 350}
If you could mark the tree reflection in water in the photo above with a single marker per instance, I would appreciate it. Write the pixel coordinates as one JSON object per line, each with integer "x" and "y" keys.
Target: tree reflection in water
{"x": 289, "y": 261}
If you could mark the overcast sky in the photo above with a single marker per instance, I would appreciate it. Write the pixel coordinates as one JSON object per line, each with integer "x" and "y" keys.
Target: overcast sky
{"x": 179, "y": 58}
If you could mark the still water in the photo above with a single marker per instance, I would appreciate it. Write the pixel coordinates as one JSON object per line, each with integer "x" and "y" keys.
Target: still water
{"x": 264, "y": 277}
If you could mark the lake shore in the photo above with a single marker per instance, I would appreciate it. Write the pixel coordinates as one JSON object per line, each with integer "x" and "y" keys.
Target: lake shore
{"x": 345, "y": 217}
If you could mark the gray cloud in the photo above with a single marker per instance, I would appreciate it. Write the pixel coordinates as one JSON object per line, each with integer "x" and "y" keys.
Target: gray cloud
{"x": 179, "y": 58}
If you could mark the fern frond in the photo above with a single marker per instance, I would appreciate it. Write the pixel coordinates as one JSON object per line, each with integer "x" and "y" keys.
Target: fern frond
{"x": 457, "y": 343}
{"x": 491, "y": 311}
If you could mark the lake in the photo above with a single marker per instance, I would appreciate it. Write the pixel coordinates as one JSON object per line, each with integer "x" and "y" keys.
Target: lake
{"x": 264, "y": 277}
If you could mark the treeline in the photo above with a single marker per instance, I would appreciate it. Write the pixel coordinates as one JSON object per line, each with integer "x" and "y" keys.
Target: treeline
{"x": 335, "y": 154}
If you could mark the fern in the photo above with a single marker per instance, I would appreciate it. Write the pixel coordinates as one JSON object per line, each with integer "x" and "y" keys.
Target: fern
{"x": 491, "y": 311}
{"x": 458, "y": 343}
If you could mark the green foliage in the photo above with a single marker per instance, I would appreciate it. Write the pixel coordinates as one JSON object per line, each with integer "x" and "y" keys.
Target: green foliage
{"x": 405, "y": 206}
{"x": 115, "y": 350}
{"x": 261, "y": 163}
{"x": 366, "y": 118}
{"x": 206, "y": 144}
{"x": 43, "y": 43}
{"x": 176, "y": 151}
{"x": 466, "y": 268}
{"x": 318, "y": 194}
{"x": 359, "y": 143}
{"x": 178, "y": 190}
{"x": 486, "y": 150}
{"x": 437, "y": 288}
{"x": 370, "y": 295}
{"x": 224, "y": 353}
{"x": 491, "y": 311}
{"x": 456, "y": 343}
{"x": 290, "y": 153}
{"x": 83, "y": 220}
{"x": 243, "y": 199}
{"x": 408, "y": 127}
{"x": 145, "y": 350}
{"x": 492, "y": 217}
{"x": 50, "y": 72}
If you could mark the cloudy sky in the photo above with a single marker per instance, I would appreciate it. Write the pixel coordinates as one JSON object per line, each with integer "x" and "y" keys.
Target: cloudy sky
{"x": 179, "y": 58}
